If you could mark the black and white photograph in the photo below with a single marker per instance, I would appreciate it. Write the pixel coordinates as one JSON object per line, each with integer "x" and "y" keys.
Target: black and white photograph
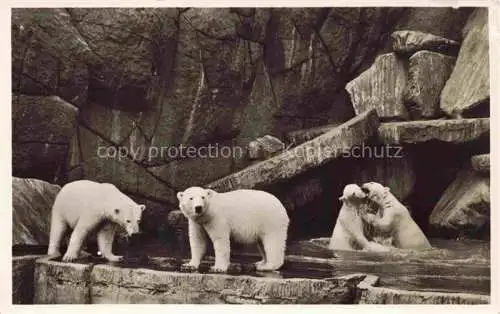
{"x": 250, "y": 155}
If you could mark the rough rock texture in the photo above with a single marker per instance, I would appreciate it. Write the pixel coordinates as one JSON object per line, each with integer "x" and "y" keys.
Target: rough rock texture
{"x": 395, "y": 170}
{"x": 159, "y": 77}
{"x": 427, "y": 74}
{"x": 453, "y": 131}
{"x": 445, "y": 22}
{"x": 23, "y": 272}
{"x": 469, "y": 83}
{"x": 42, "y": 127}
{"x": 303, "y": 157}
{"x": 31, "y": 207}
{"x": 109, "y": 284}
{"x": 409, "y": 42}
{"x": 481, "y": 163}
{"x": 381, "y": 87}
{"x": 186, "y": 172}
{"x": 464, "y": 208}
{"x": 300, "y": 136}
{"x": 264, "y": 147}
{"x": 119, "y": 285}
{"x": 61, "y": 283}
{"x": 368, "y": 293}
{"x": 98, "y": 160}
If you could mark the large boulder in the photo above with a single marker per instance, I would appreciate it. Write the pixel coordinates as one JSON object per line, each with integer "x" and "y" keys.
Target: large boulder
{"x": 464, "y": 208}
{"x": 42, "y": 128}
{"x": 42, "y": 119}
{"x": 264, "y": 147}
{"x": 308, "y": 155}
{"x": 186, "y": 172}
{"x": 31, "y": 210}
{"x": 481, "y": 163}
{"x": 381, "y": 87}
{"x": 427, "y": 74}
{"x": 96, "y": 159}
{"x": 409, "y": 42}
{"x": 390, "y": 166}
{"x": 444, "y": 22}
{"x": 452, "y": 131}
{"x": 469, "y": 83}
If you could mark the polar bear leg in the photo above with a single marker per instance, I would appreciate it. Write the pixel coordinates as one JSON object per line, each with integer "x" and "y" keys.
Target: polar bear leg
{"x": 82, "y": 229}
{"x": 222, "y": 251}
{"x": 274, "y": 248}
{"x": 105, "y": 239}
{"x": 260, "y": 248}
{"x": 197, "y": 243}
{"x": 57, "y": 230}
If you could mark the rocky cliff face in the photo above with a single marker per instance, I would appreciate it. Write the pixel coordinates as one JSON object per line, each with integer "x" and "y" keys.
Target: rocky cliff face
{"x": 120, "y": 89}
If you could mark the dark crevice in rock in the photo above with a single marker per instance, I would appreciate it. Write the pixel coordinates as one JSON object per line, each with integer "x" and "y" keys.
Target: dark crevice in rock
{"x": 479, "y": 110}
{"x": 150, "y": 198}
{"x": 325, "y": 46}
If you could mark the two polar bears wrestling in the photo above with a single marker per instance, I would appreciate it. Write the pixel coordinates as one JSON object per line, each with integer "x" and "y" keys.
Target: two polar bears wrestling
{"x": 244, "y": 216}
{"x": 391, "y": 219}
{"x": 86, "y": 206}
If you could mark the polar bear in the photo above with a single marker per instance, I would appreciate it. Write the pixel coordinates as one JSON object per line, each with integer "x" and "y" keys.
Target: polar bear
{"x": 86, "y": 205}
{"x": 349, "y": 231}
{"x": 244, "y": 216}
{"x": 394, "y": 218}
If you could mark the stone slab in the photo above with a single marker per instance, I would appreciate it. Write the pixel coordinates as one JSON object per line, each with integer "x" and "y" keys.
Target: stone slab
{"x": 308, "y": 155}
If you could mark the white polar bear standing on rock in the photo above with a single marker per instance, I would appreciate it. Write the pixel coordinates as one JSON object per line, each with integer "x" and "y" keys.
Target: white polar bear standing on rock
{"x": 395, "y": 218}
{"x": 85, "y": 205}
{"x": 245, "y": 216}
{"x": 348, "y": 233}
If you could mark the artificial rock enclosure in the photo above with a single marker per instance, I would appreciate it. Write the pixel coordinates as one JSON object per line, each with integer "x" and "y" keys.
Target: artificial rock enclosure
{"x": 306, "y": 99}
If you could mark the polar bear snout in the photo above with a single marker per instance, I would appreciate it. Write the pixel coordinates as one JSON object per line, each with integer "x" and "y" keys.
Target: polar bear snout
{"x": 352, "y": 191}
{"x": 133, "y": 229}
{"x": 198, "y": 209}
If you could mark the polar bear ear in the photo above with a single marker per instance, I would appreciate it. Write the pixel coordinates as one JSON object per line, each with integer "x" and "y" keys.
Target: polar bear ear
{"x": 142, "y": 207}
{"x": 387, "y": 189}
{"x": 179, "y": 196}
{"x": 342, "y": 198}
{"x": 210, "y": 192}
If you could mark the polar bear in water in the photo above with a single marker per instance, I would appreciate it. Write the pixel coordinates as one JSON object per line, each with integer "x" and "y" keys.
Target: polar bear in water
{"x": 348, "y": 233}
{"x": 394, "y": 218}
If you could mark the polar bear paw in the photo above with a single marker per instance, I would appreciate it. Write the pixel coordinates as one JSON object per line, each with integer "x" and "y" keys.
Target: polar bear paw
{"x": 55, "y": 255}
{"x": 218, "y": 269}
{"x": 114, "y": 258}
{"x": 189, "y": 266}
{"x": 369, "y": 218}
{"x": 70, "y": 256}
{"x": 376, "y": 247}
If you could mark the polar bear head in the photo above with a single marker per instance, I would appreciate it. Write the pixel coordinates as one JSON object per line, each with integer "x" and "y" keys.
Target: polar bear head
{"x": 376, "y": 192}
{"x": 352, "y": 192}
{"x": 194, "y": 201}
{"x": 120, "y": 208}
{"x": 129, "y": 216}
